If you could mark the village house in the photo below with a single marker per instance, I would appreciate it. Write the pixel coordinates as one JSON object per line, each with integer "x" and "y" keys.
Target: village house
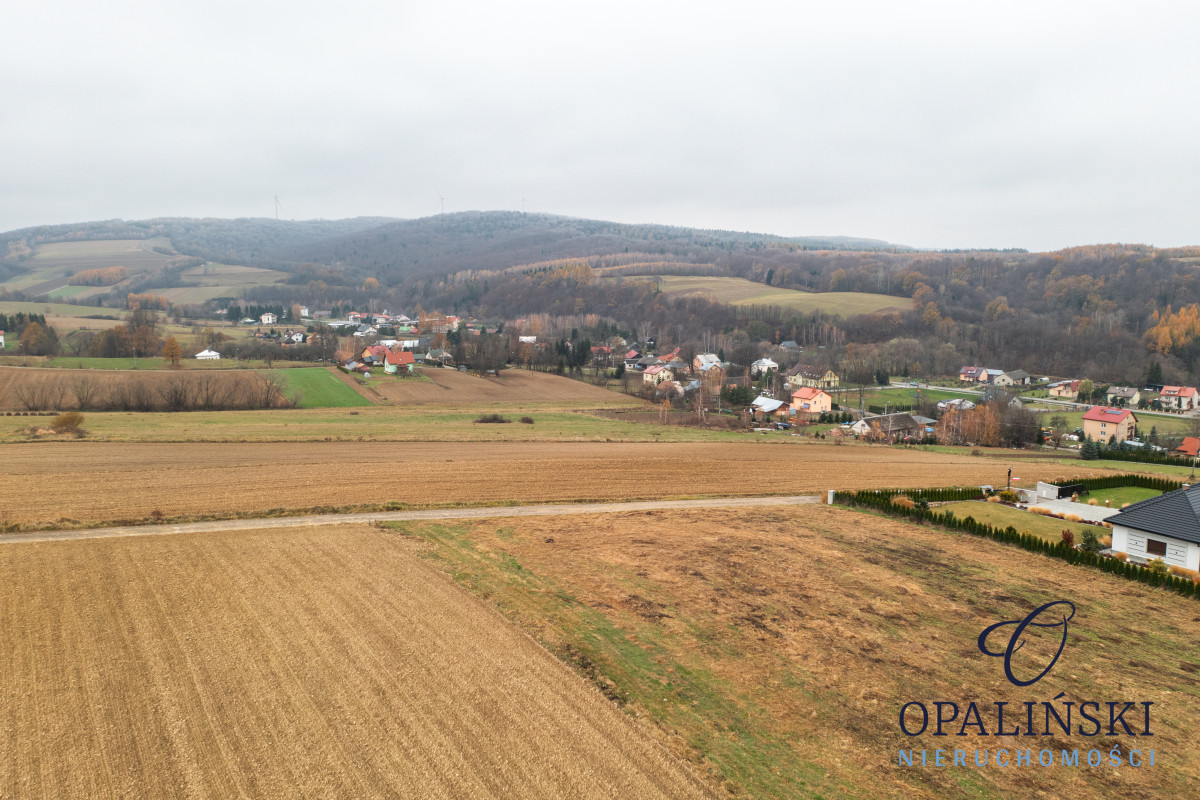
{"x": 1178, "y": 398}
{"x": 704, "y": 360}
{"x": 809, "y": 400}
{"x": 1166, "y": 527}
{"x": 268, "y": 319}
{"x": 1123, "y": 396}
{"x": 973, "y": 375}
{"x": 1104, "y": 424}
{"x": 1, "y": 340}
{"x": 657, "y": 374}
{"x": 394, "y": 362}
{"x": 1190, "y": 447}
{"x": 762, "y": 366}
{"x": 808, "y": 375}
{"x": 1067, "y": 389}
{"x": 1018, "y": 377}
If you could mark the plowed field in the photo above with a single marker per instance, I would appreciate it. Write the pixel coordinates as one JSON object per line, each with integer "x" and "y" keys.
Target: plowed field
{"x": 781, "y": 643}
{"x": 331, "y": 664}
{"x": 42, "y": 483}
{"x": 512, "y": 386}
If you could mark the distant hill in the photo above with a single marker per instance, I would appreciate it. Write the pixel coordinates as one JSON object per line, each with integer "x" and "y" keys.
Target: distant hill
{"x": 475, "y": 240}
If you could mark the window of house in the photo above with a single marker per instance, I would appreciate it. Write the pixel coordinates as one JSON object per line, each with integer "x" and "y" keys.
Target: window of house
{"x": 1156, "y": 548}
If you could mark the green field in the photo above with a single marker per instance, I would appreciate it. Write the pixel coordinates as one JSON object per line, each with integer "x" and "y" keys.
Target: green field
{"x": 320, "y": 388}
{"x": 57, "y": 309}
{"x": 741, "y": 292}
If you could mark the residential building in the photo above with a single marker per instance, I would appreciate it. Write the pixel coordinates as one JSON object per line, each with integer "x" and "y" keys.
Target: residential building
{"x": 1123, "y": 396}
{"x": 1105, "y": 424}
{"x": 657, "y": 374}
{"x": 1178, "y": 398}
{"x": 268, "y": 319}
{"x": 1067, "y": 389}
{"x": 809, "y": 400}
{"x": 1166, "y": 527}
{"x": 1018, "y": 377}
{"x": 808, "y": 375}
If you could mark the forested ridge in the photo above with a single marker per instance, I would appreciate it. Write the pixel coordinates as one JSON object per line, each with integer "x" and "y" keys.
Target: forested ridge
{"x": 1104, "y": 311}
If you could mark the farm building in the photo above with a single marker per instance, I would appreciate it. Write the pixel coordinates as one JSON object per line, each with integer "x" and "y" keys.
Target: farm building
{"x": 765, "y": 408}
{"x": 208, "y": 355}
{"x": 1018, "y": 377}
{"x": 1166, "y": 527}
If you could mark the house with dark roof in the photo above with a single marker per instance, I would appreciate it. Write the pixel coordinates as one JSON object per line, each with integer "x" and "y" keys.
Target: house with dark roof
{"x": 1166, "y": 527}
{"x": 816, "y": 377}
{"x": 973, "y": 374}
{"x": 1017, "y": 377}
{"x": 1123, "y": 395}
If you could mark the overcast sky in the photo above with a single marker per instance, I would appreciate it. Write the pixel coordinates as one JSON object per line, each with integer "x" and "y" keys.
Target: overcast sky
{"x": 948, "y": 124}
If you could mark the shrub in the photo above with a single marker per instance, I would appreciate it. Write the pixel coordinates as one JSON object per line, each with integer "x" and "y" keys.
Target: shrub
{"x": 904, "y": 501}
{"x": 1184, "y": 572}
{"x": 1158, "y": 567}
{"x": 1119, "y": 556}
{"x": 1126, "y": 505}
{"x": 68, "y": 422}
{"x": 1008, "y": 496}
{"x": 527, "y": 420}
{"x": 1106, "y": 541}
{"x": 995, "y": 498}
{"x": 1093, "y": 502}
{"x": 1045, "y": 512}
{"x": 1090, "y": 543}
{"x": 491, "y": 418}
{"x": 1072, "y": 518}
{"x": 1068, "y": 537}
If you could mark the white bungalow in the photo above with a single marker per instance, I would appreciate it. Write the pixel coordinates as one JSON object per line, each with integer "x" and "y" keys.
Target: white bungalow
{"x": 208, "y": 355}
{"x": 1166, "y": 527}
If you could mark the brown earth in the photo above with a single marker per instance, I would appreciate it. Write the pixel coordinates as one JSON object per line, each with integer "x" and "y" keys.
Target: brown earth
{"x": 451, "y": 387}
{"x": 47, "y": 482}
{"x": 781, "y": 644}
{"x": 314, "y": 664}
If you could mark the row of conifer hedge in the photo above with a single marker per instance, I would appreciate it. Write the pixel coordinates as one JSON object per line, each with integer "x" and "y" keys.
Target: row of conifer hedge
{"x": 882, "y": 501}
{"x": 1143, "y": 457}
{"x": 1118, "y": 481}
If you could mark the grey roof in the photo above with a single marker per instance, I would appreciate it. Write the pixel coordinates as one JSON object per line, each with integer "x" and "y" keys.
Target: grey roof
{"x": 1017, "y": 374}
{"x": 1175, "y": 514}
{"x": 1122, "y": 391}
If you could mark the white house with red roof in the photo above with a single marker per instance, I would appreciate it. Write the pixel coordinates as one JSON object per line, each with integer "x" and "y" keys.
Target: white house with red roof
{"x": 1179, "y": 398}
{"x": 1104, "y": 424}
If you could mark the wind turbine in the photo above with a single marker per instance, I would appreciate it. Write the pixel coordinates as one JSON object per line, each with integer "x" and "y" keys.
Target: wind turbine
{"x": 439, "y": 194}
{"x": 277, "y": 206}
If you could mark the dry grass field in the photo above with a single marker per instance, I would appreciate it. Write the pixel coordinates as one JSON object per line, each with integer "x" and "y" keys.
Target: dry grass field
{"x": 296, "y": 664}
{"x": 780, "y": 644}
{"x": 741, "y": 292}
{"x": 68, "y": 483}
{"x": 448, "y": 387}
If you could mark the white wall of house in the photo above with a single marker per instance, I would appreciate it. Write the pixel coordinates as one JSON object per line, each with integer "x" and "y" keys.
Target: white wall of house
{"x": 1133, "y": 542}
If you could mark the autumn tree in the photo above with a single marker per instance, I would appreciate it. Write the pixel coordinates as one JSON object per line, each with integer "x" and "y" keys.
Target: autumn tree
{"x": 172, "y": 352}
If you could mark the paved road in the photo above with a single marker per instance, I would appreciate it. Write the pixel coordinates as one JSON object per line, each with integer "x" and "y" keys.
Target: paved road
{"x": 397, "y": 516}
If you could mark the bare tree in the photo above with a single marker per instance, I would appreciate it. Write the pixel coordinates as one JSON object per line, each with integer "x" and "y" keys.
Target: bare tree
{"x": 85, "y": 389}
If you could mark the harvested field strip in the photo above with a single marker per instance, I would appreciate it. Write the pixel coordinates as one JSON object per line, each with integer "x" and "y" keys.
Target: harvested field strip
{"x": 331, "y": 664}
{"x": 451, "y": 387}
{"x": 780, "y": 645}
{"x": 193, "y": 479}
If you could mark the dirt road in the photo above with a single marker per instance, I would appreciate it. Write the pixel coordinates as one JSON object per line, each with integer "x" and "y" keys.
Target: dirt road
{"x": 399, "y": 516}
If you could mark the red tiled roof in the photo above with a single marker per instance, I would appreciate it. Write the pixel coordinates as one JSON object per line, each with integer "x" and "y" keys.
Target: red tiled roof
{"x": 1106, "y": 414}
{"x": 1190, "y": 446}
{"x": 807, "y": 393}
{"x": 1178, "y": 391}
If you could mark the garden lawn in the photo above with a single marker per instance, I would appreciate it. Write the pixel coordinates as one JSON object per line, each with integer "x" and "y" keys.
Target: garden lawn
{"x": 1048, "y": 528}
{"x": 1121, "y": 495}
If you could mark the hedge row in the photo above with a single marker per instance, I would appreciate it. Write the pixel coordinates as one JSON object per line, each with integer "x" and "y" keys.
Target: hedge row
{"x": 1117, "y": 481}
{"x": 867, "y": 497}
{"x": 1010, "y": 535}
{"x": 1143, "y": 457}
